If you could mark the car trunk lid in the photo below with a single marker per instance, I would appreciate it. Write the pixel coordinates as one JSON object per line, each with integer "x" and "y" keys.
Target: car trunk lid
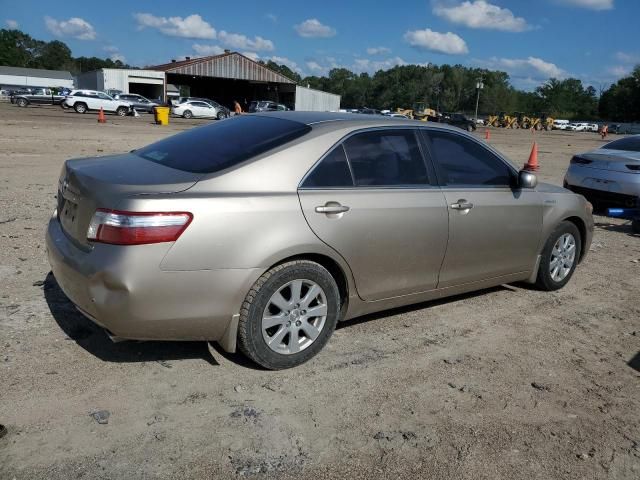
{"x": 91, "y": 183}
{"x": 613, "y": 160}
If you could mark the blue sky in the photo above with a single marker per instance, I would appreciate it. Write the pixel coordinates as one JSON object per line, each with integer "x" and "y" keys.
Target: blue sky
{"x": 594, "y": 40}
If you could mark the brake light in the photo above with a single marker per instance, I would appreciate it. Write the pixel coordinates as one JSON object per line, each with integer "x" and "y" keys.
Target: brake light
{"x": 137, "y": 228}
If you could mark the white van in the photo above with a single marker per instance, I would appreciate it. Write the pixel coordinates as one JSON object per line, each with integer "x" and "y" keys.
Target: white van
{"x": 560, "y": 124}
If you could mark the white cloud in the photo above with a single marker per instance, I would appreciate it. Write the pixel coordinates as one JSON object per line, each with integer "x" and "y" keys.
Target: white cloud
{"x": 312, "y": 28}
{"x": 315, "y": 68}
{"x": 12, "y": 24}
{"x": 207, "y": 50}
{"x": 238, "y": 41}
{"x": 252, "y": 55}
{"x": 192, "y": 26}
{"x": 371, "y": 66}
{"x": 378, "y": 51}
{"x": 627, "y": 57}
{"x": 481, "y": 14}
{"x": 286, "y": 61}
{"x": 272, "y": 16}
{"x": 427, "y": 39}
{"x": 530, "y": 67}
{"x": 619, "y": 71}
{"x": 590, "y": 4}
{"x": 74, "y": 27}
{"x": 110, "y": 48}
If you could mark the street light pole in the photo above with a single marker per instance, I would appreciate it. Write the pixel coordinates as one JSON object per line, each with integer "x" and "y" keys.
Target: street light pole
{"x": 479, "y": 86}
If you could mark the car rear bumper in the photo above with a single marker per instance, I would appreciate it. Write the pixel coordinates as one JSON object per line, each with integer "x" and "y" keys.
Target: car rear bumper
{"x": 604, "y": 185}
{"x": 124, "y": 290}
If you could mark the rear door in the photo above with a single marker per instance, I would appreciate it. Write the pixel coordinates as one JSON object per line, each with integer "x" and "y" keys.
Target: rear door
{"x": 494, "y": 227}
{"x": 375, "y": 201}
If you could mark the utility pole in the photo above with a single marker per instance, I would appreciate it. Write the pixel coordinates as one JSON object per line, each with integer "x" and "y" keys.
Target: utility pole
{"x": 479, "y": 86}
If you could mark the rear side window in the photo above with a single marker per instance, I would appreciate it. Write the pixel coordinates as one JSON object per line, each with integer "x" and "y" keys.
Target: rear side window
{"x": 463, "y": 162}
{"x": 223, "y": 144}
{"x": 628, "y": 144}
{"x": 386, "y": 158}
{"x": 332, "y": 171}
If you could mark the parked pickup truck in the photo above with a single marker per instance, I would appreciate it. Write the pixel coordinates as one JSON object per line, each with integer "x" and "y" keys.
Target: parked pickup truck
{"x": 37, "y": 96}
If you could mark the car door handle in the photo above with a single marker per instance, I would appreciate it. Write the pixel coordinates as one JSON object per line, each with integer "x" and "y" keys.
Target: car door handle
{"x": 461, "y": 204}
{"x": 332, "y": 207}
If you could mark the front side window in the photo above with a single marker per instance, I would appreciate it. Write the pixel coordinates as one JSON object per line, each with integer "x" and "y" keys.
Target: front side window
{"x": 464, "y": 162}
{"x": 104, "y": 96}
{"x": 332, "y": 171}
{"x": 388, "y": 157}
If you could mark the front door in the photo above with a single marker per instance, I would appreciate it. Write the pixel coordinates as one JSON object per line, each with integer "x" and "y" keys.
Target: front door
{"x": 494, "y": 227}
{"x": 371, "y": 200}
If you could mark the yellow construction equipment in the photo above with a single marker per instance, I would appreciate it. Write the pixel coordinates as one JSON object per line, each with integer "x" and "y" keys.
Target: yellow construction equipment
{"x": 502, "y": 120}
{"x": 544, "y": 121}
{"x": 522, "y": 121}
{"x": 419, "y": 112}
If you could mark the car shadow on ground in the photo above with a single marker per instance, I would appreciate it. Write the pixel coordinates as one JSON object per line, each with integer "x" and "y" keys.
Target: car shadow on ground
{"x": 635, "y": 362}
{"x": 94, "y": 339}
{"x": 619, "y": 228}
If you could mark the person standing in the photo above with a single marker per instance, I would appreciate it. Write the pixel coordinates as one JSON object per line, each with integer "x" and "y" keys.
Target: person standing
{"x": 236, "y": 107}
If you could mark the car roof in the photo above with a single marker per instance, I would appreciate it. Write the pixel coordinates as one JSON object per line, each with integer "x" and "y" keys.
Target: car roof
{"x": 338, "y": 120}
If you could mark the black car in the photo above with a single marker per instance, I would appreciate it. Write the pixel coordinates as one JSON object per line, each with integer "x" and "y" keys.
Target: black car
{"x": 459, "y": 120}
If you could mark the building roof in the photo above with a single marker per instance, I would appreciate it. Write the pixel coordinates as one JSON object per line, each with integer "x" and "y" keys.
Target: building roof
{"x": 227, "y": 65}
{"x": 35, "y": 72}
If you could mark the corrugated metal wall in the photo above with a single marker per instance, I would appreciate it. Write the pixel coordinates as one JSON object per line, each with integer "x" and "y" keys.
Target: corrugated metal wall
{"x": 18, "y": 80}
{"x": 120, "y": 79}
{"x": 308, "y": 99}
{"x": 231, "y": 66}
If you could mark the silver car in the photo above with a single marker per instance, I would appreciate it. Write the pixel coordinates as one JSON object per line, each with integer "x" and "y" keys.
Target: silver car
{"x": 610, "y": 174}
{"x": 262, "y": 231}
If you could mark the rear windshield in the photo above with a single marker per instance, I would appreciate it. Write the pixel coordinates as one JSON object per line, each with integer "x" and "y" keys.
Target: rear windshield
{"x": 222, "y": 144}
{"x": 629, "y": 144}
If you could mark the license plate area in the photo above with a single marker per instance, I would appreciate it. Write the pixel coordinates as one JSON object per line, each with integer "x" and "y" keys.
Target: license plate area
{"x": 68, "y": 216}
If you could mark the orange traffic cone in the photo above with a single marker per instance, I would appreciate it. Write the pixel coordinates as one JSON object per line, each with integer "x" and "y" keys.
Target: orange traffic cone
{"x": 101, "y": 118}
{"x": 532, "y": 164}
{"x": 487, "y": 135}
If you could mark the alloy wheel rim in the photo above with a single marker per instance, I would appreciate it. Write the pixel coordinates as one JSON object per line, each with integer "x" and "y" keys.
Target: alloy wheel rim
{"x": 294, "y": 316}
{"x": 563, "y": 256}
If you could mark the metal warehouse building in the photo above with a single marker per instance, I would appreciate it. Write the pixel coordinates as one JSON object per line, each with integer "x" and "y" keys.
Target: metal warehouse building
{"x": 34, "y": 77}
{"x": 148, "y": 83}
{"x": 231, "y": 76}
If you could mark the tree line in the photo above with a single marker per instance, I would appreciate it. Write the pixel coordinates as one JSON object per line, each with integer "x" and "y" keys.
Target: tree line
{"x": 445, "y": 88}
{"x": 18, "y": 49}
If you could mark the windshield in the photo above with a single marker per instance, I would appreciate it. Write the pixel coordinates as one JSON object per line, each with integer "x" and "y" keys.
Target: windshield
{"x": 224, "y": 144}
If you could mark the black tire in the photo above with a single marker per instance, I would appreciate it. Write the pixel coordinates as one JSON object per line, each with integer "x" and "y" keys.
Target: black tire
{"x": 220, "y": 116}
{"x": 122, "y": 111}
{"x": 250, "y": 337}
{"x": 187, "y": 114}
{"x": 22, "y": 102}
{"x": 635, "y": 225}
{"x": 80, "y": 108}
{"x": 470, "y": 128}
{"x": 544, "y": 280}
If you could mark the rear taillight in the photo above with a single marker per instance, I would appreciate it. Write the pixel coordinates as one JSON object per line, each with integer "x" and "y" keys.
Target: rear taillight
{"x": 580, "y": 161}
{"x": 136, "y": 228}
{"x": 634, "y": 166}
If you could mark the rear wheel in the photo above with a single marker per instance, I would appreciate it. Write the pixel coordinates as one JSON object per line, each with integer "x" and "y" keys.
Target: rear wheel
{"x": 22, "y": 102}
{"x": 220, "y": 116}
{"x": 122, "y": 111}
{"x": 559, "y": 257}
{"x": 187, "y": 114}
{"x": 289, "y": 315}
{"x": 80, "y": 108}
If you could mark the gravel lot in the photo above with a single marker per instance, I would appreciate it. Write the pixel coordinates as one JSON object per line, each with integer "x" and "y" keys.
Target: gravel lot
{"x": 507, "y": 383}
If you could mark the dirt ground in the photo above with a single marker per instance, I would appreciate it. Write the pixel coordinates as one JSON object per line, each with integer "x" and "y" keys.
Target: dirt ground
{"x": 507, "y": 383}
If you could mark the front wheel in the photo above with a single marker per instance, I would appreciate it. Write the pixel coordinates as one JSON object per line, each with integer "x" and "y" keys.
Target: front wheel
{"x": 22, "y": 102}
{"x": 122, "y": 111}
{"x": 560, "y": 257}
{"x": 220, "y": 116}
{"x": 289, "y": 315}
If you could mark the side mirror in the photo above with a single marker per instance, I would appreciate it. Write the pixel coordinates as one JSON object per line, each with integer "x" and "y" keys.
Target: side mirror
{"x": 527, "y": 179}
